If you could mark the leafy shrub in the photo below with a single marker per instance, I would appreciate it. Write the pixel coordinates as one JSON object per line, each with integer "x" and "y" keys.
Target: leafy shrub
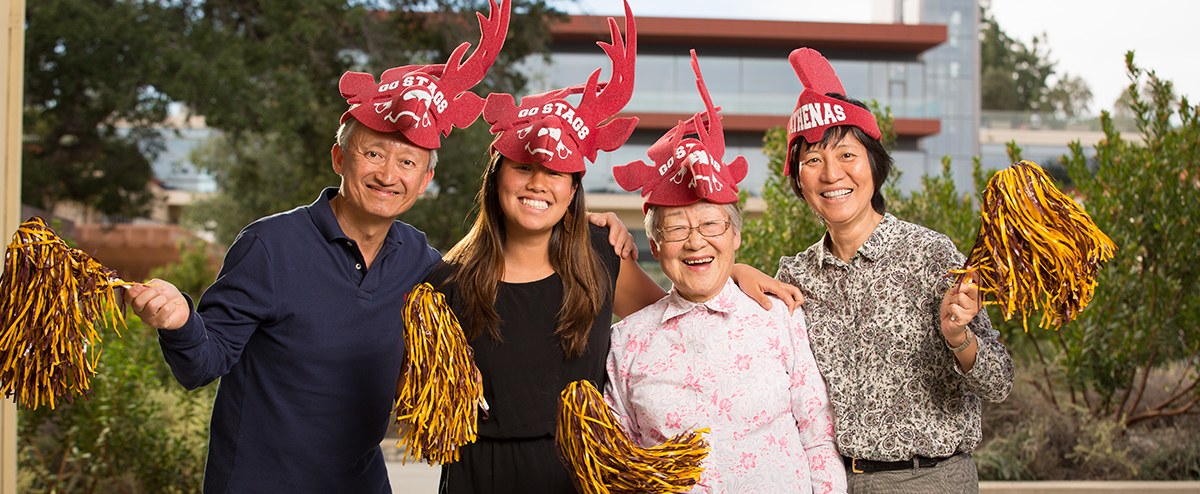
{"x": 1172, "y": 452}
{"x": 138, "y": 432}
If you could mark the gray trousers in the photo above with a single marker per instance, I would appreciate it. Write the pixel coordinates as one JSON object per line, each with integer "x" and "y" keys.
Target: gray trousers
{"x": 956, "y": 475}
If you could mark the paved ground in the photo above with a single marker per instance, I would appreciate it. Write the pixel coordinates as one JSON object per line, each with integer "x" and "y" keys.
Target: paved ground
{"x": 419, "y": 478}
{"x": 413, "y": 478}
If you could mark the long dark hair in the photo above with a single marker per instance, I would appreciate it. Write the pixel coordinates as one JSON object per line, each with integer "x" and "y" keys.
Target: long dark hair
{"x": 478, "y": 261}
{"x": 877, "y": 155}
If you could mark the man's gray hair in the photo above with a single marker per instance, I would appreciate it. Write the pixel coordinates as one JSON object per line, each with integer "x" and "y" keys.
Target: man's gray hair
{"x": 732, "y": 210}
{"x": 347, "y": 129}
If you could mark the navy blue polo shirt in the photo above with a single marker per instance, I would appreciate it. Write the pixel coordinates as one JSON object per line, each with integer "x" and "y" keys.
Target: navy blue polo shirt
{"x": 308, "y": 345}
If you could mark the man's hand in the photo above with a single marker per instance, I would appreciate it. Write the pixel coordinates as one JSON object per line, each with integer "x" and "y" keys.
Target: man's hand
{"x": 757, "y": 285}
{"x": 618, "y": 236}
{"x": 159, "y": 304}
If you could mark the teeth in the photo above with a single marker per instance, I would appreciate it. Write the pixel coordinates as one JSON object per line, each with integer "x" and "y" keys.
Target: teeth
{"x": 833, "y": 194}
{"x": 535, "y": 204}
{"x": 698, "y": 261}
{"x": 376, "y": 189}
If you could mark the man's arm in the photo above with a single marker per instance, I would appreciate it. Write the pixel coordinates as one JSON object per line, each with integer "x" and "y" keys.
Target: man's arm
{"x": 199, "y": 349}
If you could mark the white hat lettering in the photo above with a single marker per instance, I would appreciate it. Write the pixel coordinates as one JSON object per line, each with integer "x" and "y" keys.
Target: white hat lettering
{"x": 812, "y": 115}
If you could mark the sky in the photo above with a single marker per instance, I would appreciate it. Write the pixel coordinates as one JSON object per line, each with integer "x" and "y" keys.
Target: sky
{"x": 1087, "y": 38}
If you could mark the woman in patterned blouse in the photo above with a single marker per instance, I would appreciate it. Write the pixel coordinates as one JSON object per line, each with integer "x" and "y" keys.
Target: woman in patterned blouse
{"x": 904, "y": 349}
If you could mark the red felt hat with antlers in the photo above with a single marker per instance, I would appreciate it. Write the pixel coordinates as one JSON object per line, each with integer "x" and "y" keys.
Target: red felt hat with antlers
{"x": 423, "y": 101}
{"x": 815, "y": 112}
{"x": 687, "y": 170}
{"x": 547, "y": 129}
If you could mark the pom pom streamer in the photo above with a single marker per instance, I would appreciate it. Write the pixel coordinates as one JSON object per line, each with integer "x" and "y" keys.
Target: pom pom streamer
{"x": 602, "y": 459}
{"x": 51, "y": 296}
{"x": 1036, "y": 249}
{"x": 441, "y": 389}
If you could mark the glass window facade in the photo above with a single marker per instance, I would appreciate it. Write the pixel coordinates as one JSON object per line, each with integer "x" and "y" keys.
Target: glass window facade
{"x": 745, "y": 84}
{"x": 952, "y": 76}
{"x": 941, "y": 83}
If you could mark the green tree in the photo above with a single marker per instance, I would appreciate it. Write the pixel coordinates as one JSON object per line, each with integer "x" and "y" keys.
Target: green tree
{"x": 1129, "y": 365}
{"x": 266, "y": 75}
{"x": 91, "y": 99}
{"x": 1014, "y": 76}
{"x": 1146, "y": 313}
{"x": 1017, "y": 77}
{"x": 447, "y": 216}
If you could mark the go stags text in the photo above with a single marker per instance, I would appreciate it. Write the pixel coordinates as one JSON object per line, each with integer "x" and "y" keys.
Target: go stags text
{"x": 433, "y": 97}
{"x": 700, "y": 162}
{"x": 811, "y": 115}
{"x": 563, "y": 111}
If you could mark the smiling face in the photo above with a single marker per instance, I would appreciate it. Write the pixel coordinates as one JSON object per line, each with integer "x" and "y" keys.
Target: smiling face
{"x": 532, "y": 197}
{"x": 382, "y": 174}
{"x": 697, "y": 265}
{"x": 837, "y": 183}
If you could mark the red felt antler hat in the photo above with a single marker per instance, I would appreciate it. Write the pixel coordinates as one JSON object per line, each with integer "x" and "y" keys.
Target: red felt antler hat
{"x": 687, "y": 170}
{"x": 547, "y": 129}
{"x": 815, "y": 112}
{"x": 425, "y": 101}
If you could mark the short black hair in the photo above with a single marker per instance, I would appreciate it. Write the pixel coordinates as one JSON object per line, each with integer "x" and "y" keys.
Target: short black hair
{"x": 881, "y": 161}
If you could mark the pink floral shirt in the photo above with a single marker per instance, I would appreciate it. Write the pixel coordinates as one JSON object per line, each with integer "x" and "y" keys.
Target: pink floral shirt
{"x": 743, "y": 372}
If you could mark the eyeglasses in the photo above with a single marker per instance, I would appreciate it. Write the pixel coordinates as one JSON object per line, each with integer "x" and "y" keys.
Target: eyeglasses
{"x": 680, "y": 233}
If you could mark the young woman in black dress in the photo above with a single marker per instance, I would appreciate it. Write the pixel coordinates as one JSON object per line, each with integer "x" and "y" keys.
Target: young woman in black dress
{"x": 535, "y": 285}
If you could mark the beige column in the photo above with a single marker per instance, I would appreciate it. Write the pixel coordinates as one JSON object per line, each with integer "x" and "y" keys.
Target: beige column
{"x": 12, "y": 59}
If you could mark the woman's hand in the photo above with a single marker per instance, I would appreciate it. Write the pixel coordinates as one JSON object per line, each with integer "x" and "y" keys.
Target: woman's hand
{"x": 618, "y": 236}
{"x": 757, "y": 285}
{"x": 959, "y": 307}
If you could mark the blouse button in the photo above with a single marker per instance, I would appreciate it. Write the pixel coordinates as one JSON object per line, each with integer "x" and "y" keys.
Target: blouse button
{"x": 358, "y": 266}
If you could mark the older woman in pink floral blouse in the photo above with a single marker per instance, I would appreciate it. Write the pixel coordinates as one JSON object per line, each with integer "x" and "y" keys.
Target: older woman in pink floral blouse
{"x": 706, "y": 356}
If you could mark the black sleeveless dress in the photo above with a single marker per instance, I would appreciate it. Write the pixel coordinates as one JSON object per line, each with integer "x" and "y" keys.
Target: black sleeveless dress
{"x": 522, "y": 378}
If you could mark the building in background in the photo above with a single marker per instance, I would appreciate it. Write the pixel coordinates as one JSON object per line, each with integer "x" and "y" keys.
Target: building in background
{"x": 133, "y": 247}
{"x": 918, "y": 57}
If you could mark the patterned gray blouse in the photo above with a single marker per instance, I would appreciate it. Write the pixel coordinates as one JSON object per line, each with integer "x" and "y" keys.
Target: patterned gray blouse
{"x": 897, "y": 390}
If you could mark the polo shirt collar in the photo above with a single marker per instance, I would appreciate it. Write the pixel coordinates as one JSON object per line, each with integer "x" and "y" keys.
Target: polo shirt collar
{"x": 723, "y": 302}
{"x": 326, "y": 222}
{"x": 873, "y": 249}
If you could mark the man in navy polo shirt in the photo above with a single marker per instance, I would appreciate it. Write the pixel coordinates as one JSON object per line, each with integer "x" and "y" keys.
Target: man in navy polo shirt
{"x": 302, "y": 328}
{"x": 302, "y": 325}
